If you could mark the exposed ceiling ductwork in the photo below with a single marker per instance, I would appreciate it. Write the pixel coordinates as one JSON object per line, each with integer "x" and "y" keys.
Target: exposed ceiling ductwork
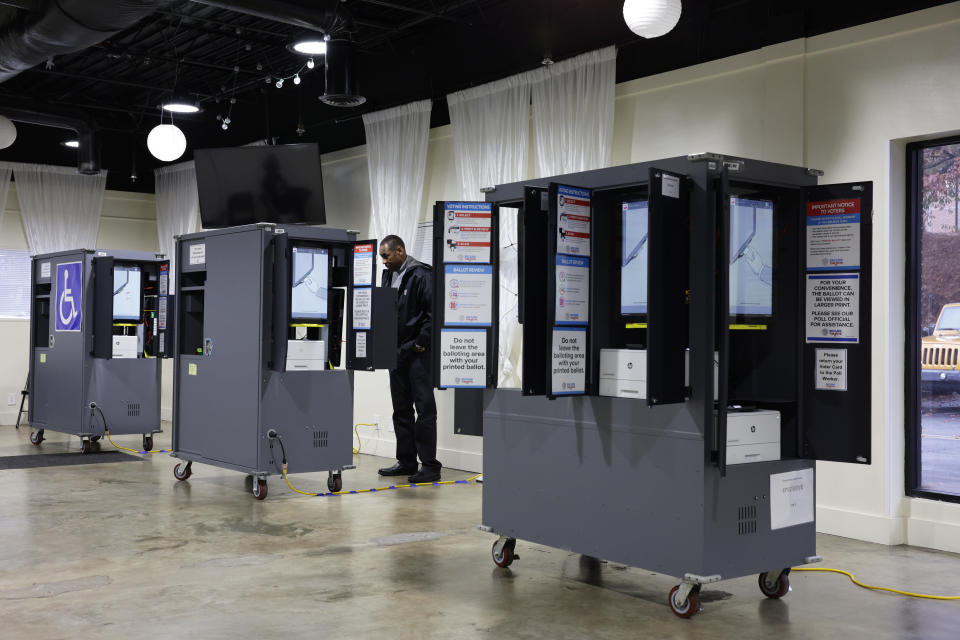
{"x": 88, "y": 153}
{"x": 328, "y": 16}
{"x": 64, "y": 26}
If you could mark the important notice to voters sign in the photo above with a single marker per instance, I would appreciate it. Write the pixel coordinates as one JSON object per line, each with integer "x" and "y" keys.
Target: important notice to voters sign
{"x": 468, "y": 295}
{"x": 463, "y": 358}
{"x": 833, "y": 235}
{"x": 573, "y": 221}
{"x": 833, "y": 308}
{"x": 363, "y": 265}
{"x": 466, "y": 232}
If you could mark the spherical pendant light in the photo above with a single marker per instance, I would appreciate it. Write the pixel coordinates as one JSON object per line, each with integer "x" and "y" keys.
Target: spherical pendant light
{"x": 8, "y": 132}
{"x": 166, "y": 142}
{"x": 651, "y": 18}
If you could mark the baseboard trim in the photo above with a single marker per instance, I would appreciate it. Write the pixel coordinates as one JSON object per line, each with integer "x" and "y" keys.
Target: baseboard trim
{"x": 451, "y": 458}
{"x": 944, "y": 536}
{"x": 861, "y": 526}
{"x": 9, "y": 418}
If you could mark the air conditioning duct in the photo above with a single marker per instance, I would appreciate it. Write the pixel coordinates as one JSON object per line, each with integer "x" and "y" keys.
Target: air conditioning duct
{"x": 340, "y": 77}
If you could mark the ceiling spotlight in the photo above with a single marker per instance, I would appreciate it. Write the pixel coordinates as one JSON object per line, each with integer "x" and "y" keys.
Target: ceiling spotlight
{"x": 180, "y": 104}
{"x": 166, "y": 142}
{"x": 651, "y": 18}
{"x": 280, "y": 83}
{"x": 73, "y": 144}
{"x": 309, "y": 44}
{"x": 310, "y": 64}
{"x": 296, "y": 79}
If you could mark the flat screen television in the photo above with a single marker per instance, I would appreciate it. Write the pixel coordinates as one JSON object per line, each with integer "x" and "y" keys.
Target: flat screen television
{"x": 308, "y": 295}
{"x": 751, "y": 257}
{"x": 126, "y": 293}
{"x": 245, "y": 185}
{"x": 633, "y": 262}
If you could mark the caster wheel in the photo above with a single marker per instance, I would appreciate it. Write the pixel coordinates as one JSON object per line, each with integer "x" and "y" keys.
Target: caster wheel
{"x": 776, "y": 590}
{"x": 94, "y": 438}
{"x": 86, "y": 446}
{"x": 148, "y": 443}
{"x": 335, "y": 483}
{"x": 182, "y": 471}
{"x": 260, "y": 489}
{"x": 690, "y": 607}
{"x": 506, "y": 556}
{"x": 36, "y": 437}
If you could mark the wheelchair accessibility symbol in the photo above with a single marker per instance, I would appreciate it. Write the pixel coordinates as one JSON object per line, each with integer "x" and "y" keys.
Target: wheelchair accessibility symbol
{"x": 69, "y": 296}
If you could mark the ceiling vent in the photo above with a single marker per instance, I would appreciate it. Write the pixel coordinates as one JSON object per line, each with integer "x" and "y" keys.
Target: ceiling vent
{"x": 340, "y": 76}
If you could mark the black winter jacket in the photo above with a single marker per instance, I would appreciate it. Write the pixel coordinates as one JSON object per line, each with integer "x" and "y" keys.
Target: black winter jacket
{"x": 414, "y": 308}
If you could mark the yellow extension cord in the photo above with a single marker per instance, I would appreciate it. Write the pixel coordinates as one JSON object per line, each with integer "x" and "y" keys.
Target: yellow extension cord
{"x": 374, "y": 490}
{"x": 875, "y": 588}
{"x": 107, "y": 434}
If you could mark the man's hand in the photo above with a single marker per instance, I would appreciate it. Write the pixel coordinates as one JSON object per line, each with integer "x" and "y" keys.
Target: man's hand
{"x": 418, "y": 349}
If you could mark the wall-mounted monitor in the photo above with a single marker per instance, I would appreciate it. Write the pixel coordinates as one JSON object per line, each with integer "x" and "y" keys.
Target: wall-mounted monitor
{"x": 751, "y": 257}
{"x": 311, "y": 277}
{"x": 633, "y": 258}
{"x": 126, "y": 293}
{"x": 245, "y": 185}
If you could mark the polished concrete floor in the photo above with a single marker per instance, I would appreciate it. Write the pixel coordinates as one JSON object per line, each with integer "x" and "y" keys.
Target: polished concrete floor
{"x": 123, "y": 550}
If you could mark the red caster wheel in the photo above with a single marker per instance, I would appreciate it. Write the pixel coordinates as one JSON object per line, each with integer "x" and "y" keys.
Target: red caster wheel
{"x": 36, "y": 437}
{"x": 688, "y": 608}
{"x": 776, "y": 589}
{"x": 182, "y": 471}
{"x": 335, "y": 483}
{"x": 260, "y": 488}
{"x": 506, "y": 556}
{"x": 85, "y": 446}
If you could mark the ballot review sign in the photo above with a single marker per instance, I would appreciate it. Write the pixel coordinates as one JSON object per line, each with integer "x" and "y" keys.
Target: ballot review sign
{"x": 468, "y": 295}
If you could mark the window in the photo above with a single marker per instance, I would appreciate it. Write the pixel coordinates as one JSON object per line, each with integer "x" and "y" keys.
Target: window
{"x": 424, "y": 242}
{"x": 14, "y": 284}
{"x": 933, "y": 320}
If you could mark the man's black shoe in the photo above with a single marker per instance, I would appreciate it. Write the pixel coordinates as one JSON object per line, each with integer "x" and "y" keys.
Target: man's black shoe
{"x": 424, "y": 475}
{"x": 397, "y": 470}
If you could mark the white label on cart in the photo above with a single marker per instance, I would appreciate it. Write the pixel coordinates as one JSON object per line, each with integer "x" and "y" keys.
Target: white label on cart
{"x": 670, "y": 186}
{"x": 44, "y": 269}
{"x": 831, "y": 370}
{"x": 198, "y": 253}
{"x": 162, "y": 314}
{"x": 360, "y": 339}
{"x": 362, "y": 309}
{"x": 791, "y": 498}
{"x": 833, "y": 308}
{"x": 163, "y": 283}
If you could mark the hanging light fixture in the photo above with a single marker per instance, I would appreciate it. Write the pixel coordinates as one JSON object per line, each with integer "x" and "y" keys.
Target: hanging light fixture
{"x": 72, "y": 144}
{"x": 178, "y": 103}
{"x": 8, "y": 132}
{"x": 651, "y": 18}
{"x": 309, "y": 44}
{"x": 166, "y": 142}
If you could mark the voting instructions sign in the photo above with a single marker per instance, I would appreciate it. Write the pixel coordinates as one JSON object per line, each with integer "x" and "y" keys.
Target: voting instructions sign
{"x": 573, "y": 221}
{"x": 467, "y": 231}
{"x": 69, "y": 296}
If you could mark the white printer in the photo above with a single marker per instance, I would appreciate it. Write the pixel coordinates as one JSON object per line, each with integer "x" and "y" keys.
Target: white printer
{"x": 753, "y": 436}
{"x": 623, "y": 373}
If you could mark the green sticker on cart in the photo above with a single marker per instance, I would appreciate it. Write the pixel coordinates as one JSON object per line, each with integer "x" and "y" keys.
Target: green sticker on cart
{"x": 192, "y": 369}
{"x": 43, "y": 357}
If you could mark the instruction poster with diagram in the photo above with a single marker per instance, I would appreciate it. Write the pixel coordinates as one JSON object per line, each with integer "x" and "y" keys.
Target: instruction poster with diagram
{"x": 831, "y": 370}
{"x": 573, "y": 290}
{"x": 568, "y": 361}
{"x": 833, "y": 235}
{"x": 468, "y": 295}
{"x": 791, "y": 498}
{"x": 466, "y": 232}
{"x": 573, "y": 221}
{"x": 362, "y": 308}
{"x": 363, "y": 257}
{"x": 463, "y": 358}
{"x": 833, "y": 308}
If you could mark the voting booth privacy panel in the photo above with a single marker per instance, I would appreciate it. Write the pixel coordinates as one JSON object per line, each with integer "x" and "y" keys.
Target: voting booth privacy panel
{"x": 263, "y": 308}
{"x": 100, "y": 323}
{"x": 696, "y": 333}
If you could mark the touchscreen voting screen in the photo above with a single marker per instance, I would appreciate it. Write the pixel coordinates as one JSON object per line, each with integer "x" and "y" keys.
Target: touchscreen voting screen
{"x": 126, "y": 293}
{"x": 308, "y": 298}
{"x": 633, "y": 265}
{"x": 751, "y": 257}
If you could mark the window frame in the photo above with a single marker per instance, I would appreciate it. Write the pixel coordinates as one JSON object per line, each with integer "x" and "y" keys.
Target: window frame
{"x": 912, "y": 344}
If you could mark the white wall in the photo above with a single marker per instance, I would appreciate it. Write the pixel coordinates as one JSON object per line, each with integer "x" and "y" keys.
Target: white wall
{"x": 845, "y": 102}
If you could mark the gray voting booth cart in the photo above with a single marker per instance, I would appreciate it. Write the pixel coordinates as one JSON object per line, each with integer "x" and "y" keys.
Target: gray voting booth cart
{"x": 696, "y": 334}
{"x": 259, "y": 339}
{"x": 98, "y": 330}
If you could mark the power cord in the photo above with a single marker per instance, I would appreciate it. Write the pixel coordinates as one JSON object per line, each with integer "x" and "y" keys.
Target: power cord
{"x": 106, "y": 433}
{"x": 873, "y": 587}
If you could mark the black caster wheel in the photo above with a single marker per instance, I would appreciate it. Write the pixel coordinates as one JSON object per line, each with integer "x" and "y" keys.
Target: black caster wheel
{"x": 775, "y": 590}
{"x": 260, "y": 488}
{"x": 94, "y": 438}
{"x": 85, "y": 446}
{"x": 36, "y": 437}
{"x": 182, "y": 471}
{"x": 148, "y": 443}
{"x": 690, "y": 607}
{"x": 335, "y": 483}
{"x": 506, "y": 556}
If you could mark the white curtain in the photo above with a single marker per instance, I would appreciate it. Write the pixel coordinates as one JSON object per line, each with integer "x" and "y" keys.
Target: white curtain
{"x": 397, "y": 160}
{"x": 573, "y": 113}
{"x": 6, "y": 170}
{"x": 491, "y": 132}
{"x": 177, "y": 207}
{"x": 60, "y": 207}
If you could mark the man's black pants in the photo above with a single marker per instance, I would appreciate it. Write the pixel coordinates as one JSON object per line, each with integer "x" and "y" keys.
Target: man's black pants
{"x": 411, "y": 386}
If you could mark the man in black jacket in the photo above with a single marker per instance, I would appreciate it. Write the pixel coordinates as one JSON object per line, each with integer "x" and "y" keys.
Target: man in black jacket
{"x": 411, "y": 383}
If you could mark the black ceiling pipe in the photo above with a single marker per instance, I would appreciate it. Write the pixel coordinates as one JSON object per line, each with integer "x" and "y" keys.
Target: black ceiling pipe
{"x": 341, "y": 88}
{"x": 329, "y": 16}
{"x": 64, "y": 26}
{"x": 88, "y": 153}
